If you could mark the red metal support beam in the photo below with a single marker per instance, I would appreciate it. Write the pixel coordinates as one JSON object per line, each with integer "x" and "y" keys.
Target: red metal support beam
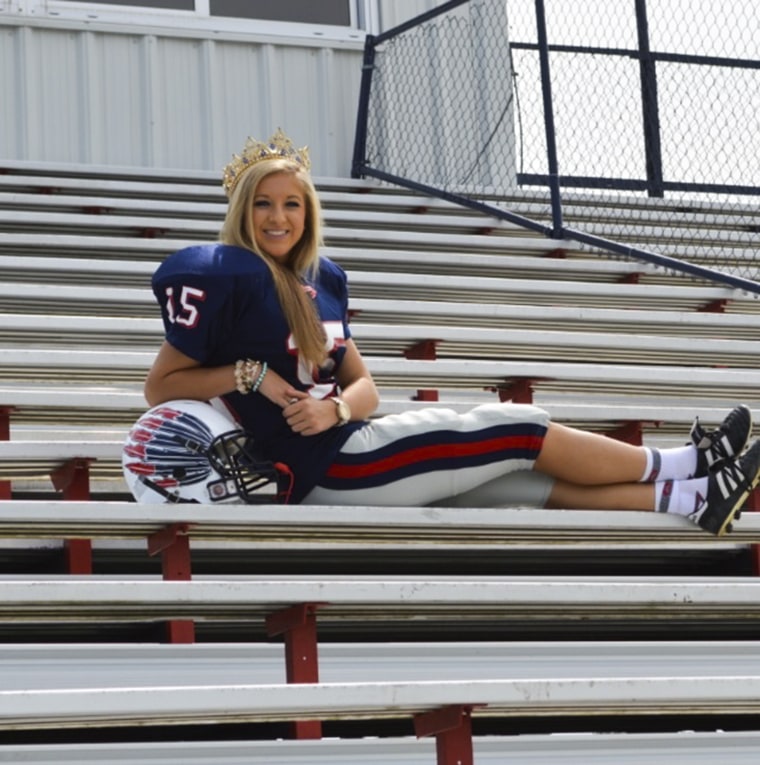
{"x": 299, "y": 626}
{"x": 452, "y": 728}
{"x": 629, "y": 432}
{"x": 173, "y": 544}
{"x": 72, "y": 479}
{"x": 518, "y": 391}
{"x": 78, "y": 556}
{"x": 6, "y": 487}
{"x": 425, "y": 350}
{"x": 716, "y": 306}
{"x": 752, "y": 505}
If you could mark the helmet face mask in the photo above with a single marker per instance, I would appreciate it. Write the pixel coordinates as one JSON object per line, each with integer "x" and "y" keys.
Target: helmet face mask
{"x": 187, "y": 451}
{"x": 242, "y": 474}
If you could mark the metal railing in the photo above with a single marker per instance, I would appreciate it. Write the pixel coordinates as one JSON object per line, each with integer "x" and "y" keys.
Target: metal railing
{"x": 628, "y": 127}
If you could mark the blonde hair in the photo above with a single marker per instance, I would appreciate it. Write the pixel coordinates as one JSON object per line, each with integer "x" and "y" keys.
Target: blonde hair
{"x": 303, "y": 260}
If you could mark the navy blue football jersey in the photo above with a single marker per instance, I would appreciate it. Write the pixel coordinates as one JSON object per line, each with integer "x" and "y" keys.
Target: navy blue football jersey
{"x": 219, "y": 304}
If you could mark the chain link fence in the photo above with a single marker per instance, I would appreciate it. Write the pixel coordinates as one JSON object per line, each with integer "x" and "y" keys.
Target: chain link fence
{"x": 631, "y": 126}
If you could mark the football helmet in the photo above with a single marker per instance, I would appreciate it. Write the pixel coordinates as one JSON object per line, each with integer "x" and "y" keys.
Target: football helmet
{"x": 187, "y": 451}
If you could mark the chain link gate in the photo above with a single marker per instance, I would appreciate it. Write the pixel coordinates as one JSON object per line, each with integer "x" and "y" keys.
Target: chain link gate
{"x": 650, "y": 108}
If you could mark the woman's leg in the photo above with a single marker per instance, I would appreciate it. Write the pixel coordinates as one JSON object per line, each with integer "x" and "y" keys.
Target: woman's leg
{"x": 624, "y": 496}
{"x": 432, "y": 455}
{"x": 428, "y": 455}
{"x": 589, "y": 459}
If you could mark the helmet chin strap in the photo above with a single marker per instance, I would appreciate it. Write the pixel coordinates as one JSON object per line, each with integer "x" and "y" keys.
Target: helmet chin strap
{"x": 167, "y": 495}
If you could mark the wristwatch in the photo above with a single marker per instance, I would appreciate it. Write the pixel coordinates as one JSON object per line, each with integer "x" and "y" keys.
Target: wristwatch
{"x": 344, "y": 411}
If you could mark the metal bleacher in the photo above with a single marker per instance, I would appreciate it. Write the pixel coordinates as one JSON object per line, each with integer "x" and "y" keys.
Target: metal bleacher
{"x": 730, "y": 748}
{"x": 168, "y": 634}
{"x": 490, "y": 303}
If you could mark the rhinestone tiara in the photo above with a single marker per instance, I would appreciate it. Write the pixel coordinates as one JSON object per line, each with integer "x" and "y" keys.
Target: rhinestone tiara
{"x": 279, "y": 146}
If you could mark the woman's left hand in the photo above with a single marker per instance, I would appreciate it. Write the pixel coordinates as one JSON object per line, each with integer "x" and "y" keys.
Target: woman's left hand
{"x": 309, "y": 416}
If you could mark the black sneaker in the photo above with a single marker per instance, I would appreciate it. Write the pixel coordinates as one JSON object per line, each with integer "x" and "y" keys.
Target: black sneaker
{"x": 727, "y": 489}
{"x": 724, "y": 443}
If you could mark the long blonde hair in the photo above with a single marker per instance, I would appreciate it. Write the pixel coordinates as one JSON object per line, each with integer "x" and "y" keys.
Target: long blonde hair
{"x": 303, "y": 260}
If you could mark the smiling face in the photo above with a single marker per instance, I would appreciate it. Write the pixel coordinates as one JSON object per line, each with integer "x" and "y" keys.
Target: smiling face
{"x": 278, "y": 215}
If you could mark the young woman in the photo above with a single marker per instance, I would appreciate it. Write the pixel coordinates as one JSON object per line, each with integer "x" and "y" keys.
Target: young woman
{"x": 258, "y": 322}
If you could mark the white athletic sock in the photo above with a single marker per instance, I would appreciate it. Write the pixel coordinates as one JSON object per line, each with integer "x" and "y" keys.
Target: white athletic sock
{"x": 680, "y": 497}
{"x": 667, "y": 464}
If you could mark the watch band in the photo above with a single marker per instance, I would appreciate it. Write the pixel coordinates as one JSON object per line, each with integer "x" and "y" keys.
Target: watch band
{"x": 343, "y": 410}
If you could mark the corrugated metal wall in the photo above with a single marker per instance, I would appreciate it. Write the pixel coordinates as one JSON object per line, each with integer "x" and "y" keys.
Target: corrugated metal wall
{"x": 394, "y": 12}
{"x": 122, "y": 98}
{"x": 129, "y": 96}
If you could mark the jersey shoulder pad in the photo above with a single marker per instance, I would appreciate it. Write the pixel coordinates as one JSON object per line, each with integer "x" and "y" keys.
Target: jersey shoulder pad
{"x": 208, "y": 260}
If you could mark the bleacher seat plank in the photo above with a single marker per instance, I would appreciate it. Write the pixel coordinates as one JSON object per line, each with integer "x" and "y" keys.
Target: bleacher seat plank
{"x": 552, "y": 345}
{"x": 160, "y": 705}
{"x": 24, "y": 459}
{"x": 361, "y": 600}
{"x": 56, "y": 666}
{"x": 736, "y": 383}
{"x": 414, "y": 528}
{"x": 693, "y": 747}
{"x": 489, "y": 289}
{"x": 125, "y": 251}
{"x": 656, "y": 321}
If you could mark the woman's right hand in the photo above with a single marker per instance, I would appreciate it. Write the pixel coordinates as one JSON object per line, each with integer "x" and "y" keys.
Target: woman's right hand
{"x": 278, "y": 390}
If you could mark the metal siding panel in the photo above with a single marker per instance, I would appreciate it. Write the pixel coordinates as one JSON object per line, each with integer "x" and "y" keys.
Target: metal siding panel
{"x": 296, "y": 98}
{"x": 394, "y": 12}
{"x": 341, "y": 79}
{"x": 241, "y": 77}
{"x": 55, "y": 92}
{"x": 118, "y": 107}
{"x": 132, "y": 99}
{"x": 181, "y": 104}
{"x": 12, "y": 94}
{"x": 311, "y": 93}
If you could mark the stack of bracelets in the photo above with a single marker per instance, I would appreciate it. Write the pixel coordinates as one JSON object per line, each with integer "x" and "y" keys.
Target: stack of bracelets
{"x": 249, "y": 375}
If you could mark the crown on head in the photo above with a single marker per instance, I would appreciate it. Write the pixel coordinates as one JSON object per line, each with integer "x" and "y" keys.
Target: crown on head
{"x": 279, "y": 146}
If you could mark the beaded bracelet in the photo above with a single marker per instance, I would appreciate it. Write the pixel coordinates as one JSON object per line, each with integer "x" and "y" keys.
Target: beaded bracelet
{"x": 246, "y": 372}
{"x": 260, "y": 378}
{"x": 239, "y": 383}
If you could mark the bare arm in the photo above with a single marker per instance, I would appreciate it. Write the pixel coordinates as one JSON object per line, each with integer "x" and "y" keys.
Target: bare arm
{"x": 356, "y": 383}
{"x": 175, "y": 375}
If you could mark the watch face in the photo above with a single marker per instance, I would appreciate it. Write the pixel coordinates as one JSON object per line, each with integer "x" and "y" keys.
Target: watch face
{"x": 344, "y": 413}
